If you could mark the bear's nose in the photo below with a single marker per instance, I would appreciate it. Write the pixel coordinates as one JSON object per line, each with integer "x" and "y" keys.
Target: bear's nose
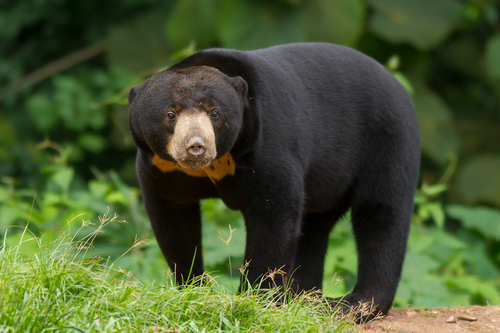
{"x": 195, "y": 147}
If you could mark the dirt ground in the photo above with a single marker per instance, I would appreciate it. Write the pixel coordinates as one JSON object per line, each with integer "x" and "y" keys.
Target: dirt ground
{"x": 439, "y": 320}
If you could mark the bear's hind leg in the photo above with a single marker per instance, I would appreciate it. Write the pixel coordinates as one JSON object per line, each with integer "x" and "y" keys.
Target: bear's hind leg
{"x": 273, "y": 230}
{"x": 381, "y": 225}
{"x": 311, "y": 250}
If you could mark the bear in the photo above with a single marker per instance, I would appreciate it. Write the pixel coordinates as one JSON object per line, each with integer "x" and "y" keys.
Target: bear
{"x": 293, "y": 136}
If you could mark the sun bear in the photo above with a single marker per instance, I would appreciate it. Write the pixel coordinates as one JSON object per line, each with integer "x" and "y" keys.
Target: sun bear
{"x": 293, "y": 136}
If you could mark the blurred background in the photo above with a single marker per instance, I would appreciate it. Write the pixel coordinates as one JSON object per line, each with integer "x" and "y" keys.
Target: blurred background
{"x": 66, "y": 154}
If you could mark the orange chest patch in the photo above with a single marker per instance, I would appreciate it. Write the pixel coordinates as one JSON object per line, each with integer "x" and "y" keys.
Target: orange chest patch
{"x": 217, "y": 170}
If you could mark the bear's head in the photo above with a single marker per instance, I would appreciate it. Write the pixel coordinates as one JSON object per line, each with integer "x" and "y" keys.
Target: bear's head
{"x": 190, "y": 116}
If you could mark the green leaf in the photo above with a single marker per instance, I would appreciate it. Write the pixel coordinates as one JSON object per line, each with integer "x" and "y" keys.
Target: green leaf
{"x": 334, "y": 21}
{"x": 49, "y": 213}
{"x": 493, "y": 55}
{"x": 419, "y": 242}
{"x": 7, "y": 215}
{"x": 404, "y": 81}
{"x": 51, "y": 198}
{"x": 217, "y": 213}
{"x": 448, "y": 240}
{"x": 139, "y": 44}
{"x": 116, "y": 197}
{"x": 437, "y": 213}
{"x": 403, "y": 295}
{"x": 419, "y": 284}
{"x": 215, "y": 251}
{"x": 431, "y": 292}
{"x": 74, "y": 104}
{"x": 418, "y": 265}
{"x": 92, "y": 142}
{"x": 422, "y": 23}
{"x": 423, "y": 212}
{"x": 5, "y": 193}
{"x": 437, "y": 136}
{"x": 479, "y": 180}
{"x": 435, "y": 189}
{"x": 479, "y": 261}
{"x": 482, "y": 219}
{"x": 476, "y": 286}
{"x": 341, "y": 257}
{"x": 42, "y": 111}
{"x": 98, "y": 188}
{"x": 63, "y": 178}
{"x": 248, "y": 25}
{"x": 423, "y": 291}
{"x": 71, "y": 151}
{"x": 420, "y": 199}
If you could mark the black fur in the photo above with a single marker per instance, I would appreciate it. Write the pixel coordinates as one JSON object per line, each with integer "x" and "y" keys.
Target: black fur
{"x": 320, "y": 129}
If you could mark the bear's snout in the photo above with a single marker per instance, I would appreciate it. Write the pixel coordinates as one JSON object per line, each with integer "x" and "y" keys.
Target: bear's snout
{"x": 195, "y": 147}
{"x": 193, "y": 143}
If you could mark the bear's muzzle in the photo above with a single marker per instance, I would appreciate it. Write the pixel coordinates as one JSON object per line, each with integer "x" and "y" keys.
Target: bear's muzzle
{"x": 193, "y": 143}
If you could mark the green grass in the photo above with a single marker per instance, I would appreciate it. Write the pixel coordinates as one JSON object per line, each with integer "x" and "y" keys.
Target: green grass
{"x": 60, "y": 287}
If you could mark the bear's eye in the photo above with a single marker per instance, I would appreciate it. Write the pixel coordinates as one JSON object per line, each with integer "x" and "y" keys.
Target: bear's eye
{"x": 171, "y": 115}
{"x": 214, "y": 114}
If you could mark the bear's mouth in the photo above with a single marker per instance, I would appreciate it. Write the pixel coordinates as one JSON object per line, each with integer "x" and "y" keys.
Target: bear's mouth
{"x": 195, "y": 164}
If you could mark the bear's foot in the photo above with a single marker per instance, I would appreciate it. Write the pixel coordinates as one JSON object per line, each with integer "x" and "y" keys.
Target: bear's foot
{"x": 359, "y": 309}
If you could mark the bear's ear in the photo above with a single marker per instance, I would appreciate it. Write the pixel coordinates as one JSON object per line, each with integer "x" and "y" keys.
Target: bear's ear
{"x": 240, "y": 85}
{"x": 132, "y": 93}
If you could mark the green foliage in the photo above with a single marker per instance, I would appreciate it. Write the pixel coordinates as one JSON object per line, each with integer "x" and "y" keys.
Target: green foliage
{"x": 445, "y": 266}
{"x": 254, "y": 24}
{"x": 484, "y": 220}
{"x": 139, "y": 45}
{"x": 438, "y": 138}
{"x": 423, "y": 23}
{"x": 335, "y": 21}
{"x": 193, "y": 20}
{"x": 450, "y": 268}
{"x": 65, "y": 147}
{"x": 265, "y": 26}
{"x": 448, "y": 59}
{"x": 492, "y": 55}
{"x": 66, "y": 196}
{"x": 428, "y": 207}
{"x": 479, "y": 180}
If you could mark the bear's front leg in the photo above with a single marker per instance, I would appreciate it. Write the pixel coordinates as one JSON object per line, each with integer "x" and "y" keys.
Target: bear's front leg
{"x": 273, "y": 222}
{"x": 177, "y": 228}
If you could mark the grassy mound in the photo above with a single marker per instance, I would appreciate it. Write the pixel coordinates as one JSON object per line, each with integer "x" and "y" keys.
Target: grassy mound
{"x": 61, "y": 287}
